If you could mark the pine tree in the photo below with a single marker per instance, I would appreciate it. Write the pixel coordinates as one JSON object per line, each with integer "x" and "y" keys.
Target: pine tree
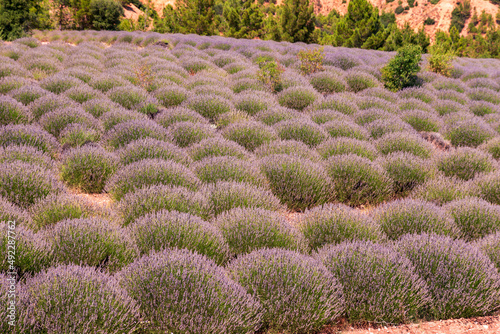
{"x": 197, "y": 17}
{"x": 297, "y": 21}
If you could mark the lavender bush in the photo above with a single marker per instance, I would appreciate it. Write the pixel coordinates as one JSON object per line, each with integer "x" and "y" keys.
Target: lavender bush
{"x": 88, "y": 168}
{"x": 187, "y": 133}
{"x": 335, "y": 223}
{"x": 217, "y": 147}
{"x": 465, "y": 163}
{"x": 404, "y": 142}
{"x": 28, "y": 154}
{"x": 207, "y": 300}
{"x": 357, "y": 180}
{"x": 12, "y": 212}
{"x": 378, "y": 283}
{"x": 462, "y": 281}
{"x": 297, "y": 98}
{"x": 440, "y": 190}
{"x": 128, "y": 131}
{"x": 149, "y": 148}
{"x": 74, "y": 299}
{"x": 164, "y": 229}
{"x": 249, "y": 229}
{"x": 299, "y": 183}
{"x": 13, "y": 112}
{"x": 249, "y": 134}
{"x": 214, "y": 169}
{"x": 302, "y": 130}
{"x": 150, "y": 172}
{"x": 288, "y": 147}
{"x": 340, "y": 146}
{"x": 490, "y": 245}
{"x": 161, "y": 197}
{"x": 297, "y": 293}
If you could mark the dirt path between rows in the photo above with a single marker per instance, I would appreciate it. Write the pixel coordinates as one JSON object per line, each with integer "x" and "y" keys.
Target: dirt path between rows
{"x": 483, "y": 325}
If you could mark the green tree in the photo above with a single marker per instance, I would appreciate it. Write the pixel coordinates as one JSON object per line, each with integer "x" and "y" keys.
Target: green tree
{"x": 242, "y": 19}
{"x": 401, "y": 71}
{"x": 105, "y": 14}
{"x": 197, "y": 17}
{"x": 297, "y": 21}
{"x": 168, "y": 23}
{"x": 18, "y": 17}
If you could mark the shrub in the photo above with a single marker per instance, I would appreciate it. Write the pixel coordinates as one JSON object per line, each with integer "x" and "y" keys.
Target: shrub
{"x": 440, "y": 60}
{"x": 492, "y": 146}
{"x": 11, "y": 82}
{"x": 445, "y": 107}
{"x": 31, "y": 251}
{"x": 358, "y": 81}
{"x": 347, "y": 129}
{"x": 11, "y": 212}
{"x": 209, "y": 106}
{"x": 164, "y": 229}
{"x": 76, "y": 135}
{"x": 367, "y": 116}
{"x": 409, "y": 216}
{"x": 29, "y": 135}
{"x": 481, "y": 108}
{"x": 275, "y": 115}
{"x": 28, "y": 94}
{"x": 490, "y": 245}
{"x": 286, "y": 308}
{"x": 149, "y": 148}
{"x": 56, "y": 121}
{"x": 74, "y": 299}
{"x": 327, "y": 82}
{"x": 249, "y": 134}
{"x": 149, "y": 172}
{"x": 335, "y": 223}
{"x": 475, "y": 217}
{"x": 117, "y": 116}
{"x": 55, "y": 208}
{"x": 371, "y": 102}
{"x": 24, "y": 189}
{"x": 472, "y": 132}
{"x": 288, "y": 147}
{"x": 178, "y": 114}
{"x": 441, "y": 190}
{"x": 187, "y": 133}
{"x": 380, "y": 127}
{"x": 407, "y": 171}
{"x": 132, "y": 97}
{"x": 105, "y": 82}
{"x": 340, "y": 146}
{"x": 488, "y": 187}
{"x": 357, "y": 180}
{"x": 26, "y": 154}
{"x": 59, "y": 83}
{"x": 451, "y": 95}
{"x": 484, "y": 94}
{"x": 253, "y": 102}
{"x": 302, "y": 130}
{"x": 243, "y": 84}
{"x": 224, "y": 196}
{"x": 13, "y": 112}
{"x": 422, "y": 120}
{"x": 208, "y": 300}
{"x": 404, "y": 142}
{"x": 465, "y": 163}
{"x": 226, "y": 168}
{"x": 217, "y": 147}
{"x": 249, "y": 229}
{"x": 161, "y": 197}
{"x": 270, "y": 74}
{"x": 299, "y": 183}
{"x": 378, "y": 283}
{"x": 82, "y": 93}
{"x": 128, "y": 131}
{"x": 91, "y": 242}
{"x": 462, "y": 281}
{"x": 340, "y": 103}
{"x": 401, "y": 71}
{"x": 171, "y": 96}
{"x": 323, "y": 116}
{"x": 297, "y": 98}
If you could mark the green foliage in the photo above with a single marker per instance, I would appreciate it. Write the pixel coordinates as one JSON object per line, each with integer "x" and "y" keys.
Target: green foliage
{"x": 399, "y": 9}
{"x": 440, "y": 60}
{"x": 459, "y": 15}
{"x": 197, "y": 17}
{"x": 429, "y": 21}
{"x": 311, "y": 61}
{"x": 105, "y": 14}
{"x": 242, "y": 19}
{"x": 270, "y": 74}
{"x": 401, "y": 71}
{"x": 18, "y": 17}
{"x": 297, "y": 21}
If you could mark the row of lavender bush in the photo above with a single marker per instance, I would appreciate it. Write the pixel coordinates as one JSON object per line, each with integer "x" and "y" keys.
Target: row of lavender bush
{"x": 419, "y": 276}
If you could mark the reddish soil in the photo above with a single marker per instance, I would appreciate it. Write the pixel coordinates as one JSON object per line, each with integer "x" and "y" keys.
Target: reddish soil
{"x": 484, "y": 325}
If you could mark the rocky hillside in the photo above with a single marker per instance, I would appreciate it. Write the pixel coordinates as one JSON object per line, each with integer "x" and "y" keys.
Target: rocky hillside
{"x": 440, "y": 12}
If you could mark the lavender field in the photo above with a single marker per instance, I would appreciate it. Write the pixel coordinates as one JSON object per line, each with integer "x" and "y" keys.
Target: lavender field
{"x": 160, "y": 184}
